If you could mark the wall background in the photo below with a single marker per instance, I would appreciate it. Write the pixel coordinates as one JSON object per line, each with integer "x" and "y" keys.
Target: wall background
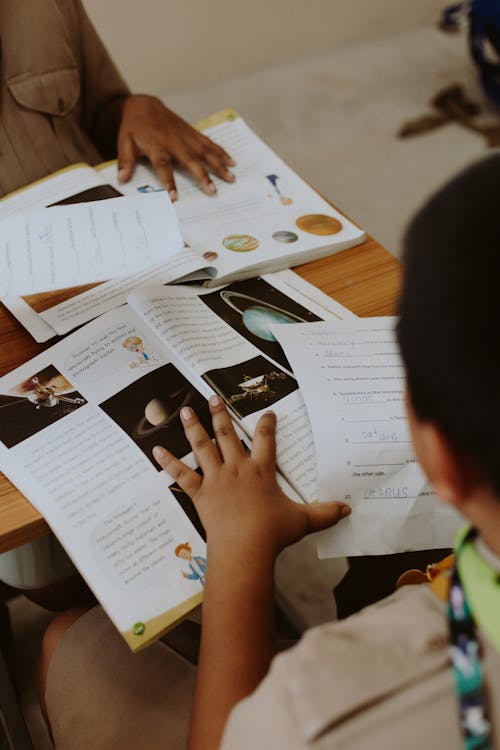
{"x": 162, "y": 45}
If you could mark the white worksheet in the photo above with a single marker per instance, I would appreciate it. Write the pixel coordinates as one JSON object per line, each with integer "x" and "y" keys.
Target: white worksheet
{"x": 353, "y": 383}
{"x": 69, "y": 245}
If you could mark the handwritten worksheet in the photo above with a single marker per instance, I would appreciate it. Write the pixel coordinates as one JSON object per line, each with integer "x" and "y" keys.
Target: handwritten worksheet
{"x": 353, "y": 383}
{"x": 64, "y": 246}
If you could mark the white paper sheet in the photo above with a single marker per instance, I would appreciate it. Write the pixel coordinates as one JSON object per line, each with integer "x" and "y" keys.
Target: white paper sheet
{"x": 75, "y": 244}
{"x": 353, "y": 383}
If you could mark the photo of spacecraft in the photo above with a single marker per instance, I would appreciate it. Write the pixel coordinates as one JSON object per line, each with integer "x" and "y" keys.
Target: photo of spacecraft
{"x": 37, "y": 402}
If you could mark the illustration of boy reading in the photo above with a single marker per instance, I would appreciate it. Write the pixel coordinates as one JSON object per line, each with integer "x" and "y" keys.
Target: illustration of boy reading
{"x": 197, "y": 564}
{"x": 135, "y": 344}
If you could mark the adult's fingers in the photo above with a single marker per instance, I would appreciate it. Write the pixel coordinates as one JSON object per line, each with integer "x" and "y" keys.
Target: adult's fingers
{"x": 228, "y": 441}
{"x": 222, "y": 155}
{"x": 197, "y": 169}
{"x": 323, "y": 515}
{"x": 218, "y": 166}
{"x": 187, "y": 479}
{"x": 162, "y": 165}
{"x": 205, "y": 451}
{"x": 127, "y": 156}
{"x": 264, "y": 440}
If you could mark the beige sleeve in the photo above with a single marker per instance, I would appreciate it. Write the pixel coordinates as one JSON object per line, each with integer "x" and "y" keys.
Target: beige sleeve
{"x": 265, "y": 719}
{"x": 101, "y": 80}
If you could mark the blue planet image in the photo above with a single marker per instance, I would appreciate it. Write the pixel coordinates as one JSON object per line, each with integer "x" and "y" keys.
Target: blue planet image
{"x": 257, "y": 315}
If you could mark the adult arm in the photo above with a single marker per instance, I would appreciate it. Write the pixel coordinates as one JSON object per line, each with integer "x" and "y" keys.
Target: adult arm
{"x": 248, "y": 520}
{"x": 138, "y": 125}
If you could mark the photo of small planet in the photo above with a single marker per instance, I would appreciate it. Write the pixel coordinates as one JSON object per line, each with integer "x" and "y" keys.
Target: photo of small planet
{"x": 210, "y": 255}
{"x": 240, "y": 243}
{"x": 284, "y": 236}
{"x": 160, "y": 412}
{"x": 319, "y": 224}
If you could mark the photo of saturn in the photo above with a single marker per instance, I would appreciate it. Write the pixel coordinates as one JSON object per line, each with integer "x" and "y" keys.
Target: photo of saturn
{"x": 251, "y": 307}
{"x": 149, "y": 411}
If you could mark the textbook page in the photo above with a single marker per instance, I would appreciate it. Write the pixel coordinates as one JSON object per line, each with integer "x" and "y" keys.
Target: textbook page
{"x": 353, "y": 383}
{"x": 62, "y": 246}
{"x": 269, "y": 218}
{"x": 222, "y": 341}
{"x": 78, "y": 425}
{"x": 80, "y": 308}
{"x": 77, "y": 183}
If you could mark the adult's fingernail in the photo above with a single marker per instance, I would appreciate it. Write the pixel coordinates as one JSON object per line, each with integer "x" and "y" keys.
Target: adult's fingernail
{"x": 346, "y": 511}
{"x": 173, "y": 195}
{"x": 122, "y": 175}
{"x": 215, "y": 400}
{"x": 211, "y": 189}
{"x": 158, "y": 452}
{"x": 231, "y": 162}
{"x": 186, "y": 413}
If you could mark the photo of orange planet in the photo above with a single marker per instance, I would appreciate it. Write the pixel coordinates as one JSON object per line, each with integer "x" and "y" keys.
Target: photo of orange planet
{"x": 319, "y": 224}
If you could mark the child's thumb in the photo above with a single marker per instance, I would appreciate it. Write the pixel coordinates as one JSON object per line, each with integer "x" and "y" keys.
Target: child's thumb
{"x": 323, "y": 515}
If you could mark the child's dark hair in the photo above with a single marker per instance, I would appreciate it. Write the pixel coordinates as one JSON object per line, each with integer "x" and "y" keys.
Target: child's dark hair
{"x": 449, "y": 329}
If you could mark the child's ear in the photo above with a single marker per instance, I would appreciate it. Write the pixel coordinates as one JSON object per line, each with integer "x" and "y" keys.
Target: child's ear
{"x": 453, "y": 476}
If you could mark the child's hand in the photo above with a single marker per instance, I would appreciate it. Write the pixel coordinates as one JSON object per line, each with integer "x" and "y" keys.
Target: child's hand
{"x": 238, "y": 499}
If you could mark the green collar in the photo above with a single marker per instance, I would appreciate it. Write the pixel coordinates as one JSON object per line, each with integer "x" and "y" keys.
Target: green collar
{"x": 481, "y": 584}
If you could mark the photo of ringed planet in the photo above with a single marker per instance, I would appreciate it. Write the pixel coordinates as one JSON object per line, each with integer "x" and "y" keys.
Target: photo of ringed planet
{"x": 251, "y": 307}
{"x": 161, "y": 412}
{"x": 320, "y": 224}
{"x": 256, "y": 315}
{"x": 149, "y": 411}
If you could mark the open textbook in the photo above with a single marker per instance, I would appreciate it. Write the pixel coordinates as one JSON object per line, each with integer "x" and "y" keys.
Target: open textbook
{"x": 79, "y": 422}
{"x": 267, "y": 220}
{"x": 352, "y": 380}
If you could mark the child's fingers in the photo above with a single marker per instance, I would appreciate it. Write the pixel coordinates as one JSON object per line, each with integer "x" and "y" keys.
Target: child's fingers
{"x": 187, "y": 479}
{"x": 228, "y": 441}
{"x": 323, "y": 515}
{"x": 264, "y": 440}
{"x": 204, "y": 449}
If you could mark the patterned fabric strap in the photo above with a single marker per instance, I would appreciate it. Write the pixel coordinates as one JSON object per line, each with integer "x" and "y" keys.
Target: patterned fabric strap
{"x": 466, "y": 664}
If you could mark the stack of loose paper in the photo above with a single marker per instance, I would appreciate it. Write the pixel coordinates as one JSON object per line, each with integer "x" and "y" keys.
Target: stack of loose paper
{"x": 70, "y": 245}
{"x": 353, "y": 383}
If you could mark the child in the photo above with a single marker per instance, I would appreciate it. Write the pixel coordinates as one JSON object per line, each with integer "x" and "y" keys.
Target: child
{"x": 421, "y": 668}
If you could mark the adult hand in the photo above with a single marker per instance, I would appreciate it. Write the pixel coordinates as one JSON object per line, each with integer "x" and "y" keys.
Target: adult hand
{"x": 238, "y": 499}
{"x": 149, "y": 129}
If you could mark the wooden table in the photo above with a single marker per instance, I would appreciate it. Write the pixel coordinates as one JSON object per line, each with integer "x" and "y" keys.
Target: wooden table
{"x": 365, "y": 279}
